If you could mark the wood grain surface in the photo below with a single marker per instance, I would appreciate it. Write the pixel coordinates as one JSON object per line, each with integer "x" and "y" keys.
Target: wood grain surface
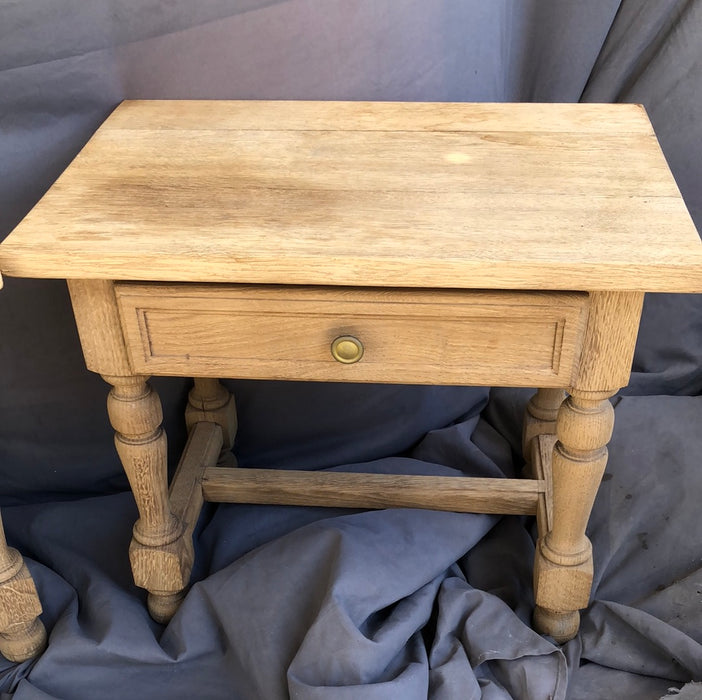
{"x": 408, "y": 335}
{"x": 353, "y": 490}
{"x": 367, "y": 194}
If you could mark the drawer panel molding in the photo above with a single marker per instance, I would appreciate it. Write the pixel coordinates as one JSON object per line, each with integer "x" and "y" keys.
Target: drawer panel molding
{"x": 408, "y": 336}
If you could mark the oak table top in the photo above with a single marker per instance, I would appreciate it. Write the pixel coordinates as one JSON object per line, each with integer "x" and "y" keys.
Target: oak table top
{"x": 492, "y": 196}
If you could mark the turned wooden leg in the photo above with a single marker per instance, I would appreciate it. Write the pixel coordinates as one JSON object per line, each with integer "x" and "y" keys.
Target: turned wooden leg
{"x": 209, "y": 401}
{"x": 540, "y": 419}
{"x": 160, "y": 552}
{"x": 22, "y": 635}
{"x": 563, "y": 563}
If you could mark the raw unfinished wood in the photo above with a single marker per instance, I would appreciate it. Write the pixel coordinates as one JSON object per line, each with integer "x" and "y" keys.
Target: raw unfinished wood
{"x": 352, "y": 490}
{"x": 372, "y": 200}
{"x": 185, "y": 498}
{"x": 540, "y": 418}
{"x": 201, "y": 451}
{"x": 409, "y": 336}
{"x": 412, "y": 195}
{"x": 22, "y": 634}
{"x": 563, "y": 561}
{"x": 160, "y": 554}
{"x": 97, "y": 318}
{"x": 209, "y": 401}
{"x": 609, "y": 342}
{"x": 381, "y": 116}
{"x": 541, "y": 460}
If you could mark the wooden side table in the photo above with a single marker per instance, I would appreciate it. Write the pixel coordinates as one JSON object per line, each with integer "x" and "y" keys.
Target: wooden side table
{"x": 365, "y": 242}
{"x": 22, "y": 634}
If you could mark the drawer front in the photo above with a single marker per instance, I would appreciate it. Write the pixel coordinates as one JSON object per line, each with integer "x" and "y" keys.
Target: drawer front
{"x": 392, "y": 336}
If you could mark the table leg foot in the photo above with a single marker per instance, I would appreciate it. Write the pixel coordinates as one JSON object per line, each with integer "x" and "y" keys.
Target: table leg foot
{"x": 562, "y": 626}
{"x": 22, "y": 635}
{"x": 23, "y": 641}
{"x": 162, "y": 606}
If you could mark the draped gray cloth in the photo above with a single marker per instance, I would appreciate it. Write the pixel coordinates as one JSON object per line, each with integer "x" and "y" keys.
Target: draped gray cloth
{"x": 317, "y": 603}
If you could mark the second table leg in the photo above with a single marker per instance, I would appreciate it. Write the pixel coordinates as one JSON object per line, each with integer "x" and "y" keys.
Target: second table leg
{"x": 563, "y": 563}
{"x": 210, "y": 401}
{"x": 160, "y": 553}
{"x": 540, "y": 419}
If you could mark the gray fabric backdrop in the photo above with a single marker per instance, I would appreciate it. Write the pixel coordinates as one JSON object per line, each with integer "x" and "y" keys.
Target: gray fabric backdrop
{"x": 313, "y": 603}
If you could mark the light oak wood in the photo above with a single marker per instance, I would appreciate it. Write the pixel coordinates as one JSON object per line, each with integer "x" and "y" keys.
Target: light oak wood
{"x": 528, "y": 232}
{"x": 351, "y": 490}
{"x": 444, "y": 195}
{"x": 160, "y": 552}
{"x": 97, "y": 318}
{"x": 541, "y": 460}
{"x": 168, "y": 572}
{"x": 609, "y": 342}
{"x": 22, "y": 634}
{"x": 540, "y": 419}
{"x": 210, "y": 402}
{"x": 201, "y": 452}
{"x": 381, "y": 116}
{"x": 560, "y": 625}
{"x": 165, "y": 571}
{"x": 410, "y": 336}
{"x": 563, "y": 562}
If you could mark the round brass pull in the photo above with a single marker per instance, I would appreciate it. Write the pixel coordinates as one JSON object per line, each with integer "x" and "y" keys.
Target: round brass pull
{"x": 347, "y": 349}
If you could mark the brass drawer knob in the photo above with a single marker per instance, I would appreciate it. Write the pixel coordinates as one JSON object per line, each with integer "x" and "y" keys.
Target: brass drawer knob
{"x": 347, "y": 349}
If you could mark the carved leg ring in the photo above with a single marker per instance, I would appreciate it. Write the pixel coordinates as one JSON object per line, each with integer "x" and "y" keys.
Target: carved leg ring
{"x": 160, "y": 555}
{"x": 563, "y": 563}
{"x": 22, "y": 635}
